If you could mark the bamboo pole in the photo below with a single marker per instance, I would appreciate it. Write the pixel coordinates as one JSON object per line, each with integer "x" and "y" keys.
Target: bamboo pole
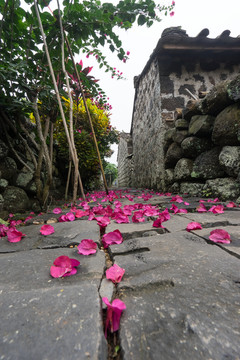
{"x": 55, "y": 86}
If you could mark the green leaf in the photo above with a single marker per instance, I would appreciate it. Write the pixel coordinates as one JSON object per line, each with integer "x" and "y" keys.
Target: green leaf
{"x": 141, "y": 20}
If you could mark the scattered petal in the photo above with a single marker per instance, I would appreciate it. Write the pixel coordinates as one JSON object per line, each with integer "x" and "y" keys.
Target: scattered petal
{"x": 201, "y": 208}
{"x": 231, "y": 204}
{"x": 115, "y": 273}
{"x": 220, "y": 236}
{"x": 158, "y": 223}
{"x": 87, "y": 247}
{"x": 113, "y": 237}
{"x": 103, "y": 221}
{"x": 219, "y": 209}
{"x": 57, "y": 210}
{"x": 47, "y": 230}
{"x": 13, "y": 235}
{"x": 114, "y": 312}
{"x": 193, "y": 226}
{"x": 64, "y": 266}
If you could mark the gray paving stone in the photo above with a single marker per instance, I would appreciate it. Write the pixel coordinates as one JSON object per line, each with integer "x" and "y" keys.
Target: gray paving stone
{"x": 133, "y": 229}
{"x": 62, "y": 323}
{"x": 182, "y": 299}
{"x": 231, "y": 217}
{"x": 28, "y": 270}
{"x": 65, "y": 234}
{"x": 234, "y": 232}
{"x": 177, "y": 222}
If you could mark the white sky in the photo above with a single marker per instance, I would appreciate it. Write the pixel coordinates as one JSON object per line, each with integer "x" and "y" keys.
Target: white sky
{"x": 192, "y": 16}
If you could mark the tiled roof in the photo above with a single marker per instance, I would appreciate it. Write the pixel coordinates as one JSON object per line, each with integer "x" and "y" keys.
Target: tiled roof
{"x": 176, "y": 41}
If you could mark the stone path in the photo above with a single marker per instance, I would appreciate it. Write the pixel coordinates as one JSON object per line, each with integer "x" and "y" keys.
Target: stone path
{"x": 182, "y": 292}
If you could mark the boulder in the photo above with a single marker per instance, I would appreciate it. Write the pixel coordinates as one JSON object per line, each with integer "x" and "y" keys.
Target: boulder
{"x": 8, "y": 168}
{"x": 23, "y": 179}
{"x": 224, "y": 188}
{"x": 207, "y": 166}
{"x": 183, "y": 169}
{"x": 174, "y": 188}
{"x": 1, "y": 202}
{"x": 168, "y": 138}
{"x": 174, "y": 153}
{"x": 31, "y": 189}
{"x": 193, "y": 146}
{"x": 193, "y": 189}
{"x": 201, "y": 125}
{"x": 181, "y": 124}
{"x": 15, "y": 199}
{"x": 3, "y": 149}
{"x": 226, "y": 126}
{"x": 179, "y": 136}
{"x": 168, "y": 176}
{"x": 3, "y": 185}
{"x": 229, "y": 158}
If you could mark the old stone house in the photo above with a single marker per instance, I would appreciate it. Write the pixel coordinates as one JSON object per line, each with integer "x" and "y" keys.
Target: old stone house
{"x": 180, "y": 68}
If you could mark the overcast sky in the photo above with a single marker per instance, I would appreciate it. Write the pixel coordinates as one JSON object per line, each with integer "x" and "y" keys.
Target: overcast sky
{"x": 192, "y": 16}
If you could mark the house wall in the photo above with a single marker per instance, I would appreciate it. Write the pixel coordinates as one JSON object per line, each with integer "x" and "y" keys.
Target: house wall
{"x": 147, "y": 130}
{"x": 124, "y": 159}
{"x": 176, "y": 80}
{"x": 159, "y": 91}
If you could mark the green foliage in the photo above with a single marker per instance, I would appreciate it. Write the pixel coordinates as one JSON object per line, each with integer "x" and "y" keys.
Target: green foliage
{"x": 105, "y": 134}
{"x": 111, "y": 173}
{"x": 24, "y": 70}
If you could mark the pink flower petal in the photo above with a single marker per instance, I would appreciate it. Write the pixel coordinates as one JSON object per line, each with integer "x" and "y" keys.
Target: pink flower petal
{"x": 113, "y": 237}
{"x": 138, "y": 217}
{"x": 158, "y": 223}
{"x": 57, "y": 210}
{"x": 122, "y": 219}
{"x": 201, "y": 208}
{"x": 114, "y": 312}
{"x": 231, "y": 204}
{"x": 103, "y": 221}
{"x": 115, "y": 273}
{"x": 193, "y": 226}
{"x": 80, "y": 213}
{"x": 13, "y": 235}
{"x": 47, "y": 230}
{"x": 64, "y": 266}
{"x": 57, "y": 271}
{"x": 63, "y": 261}
{"x": 218, "y": 209}
{"x": 177, "y": 199}
{"x": 70, "y": 216}
{"x": 3, "y": 230}
{"x": 87, "y": 247}
{"x": 220, "y": 236}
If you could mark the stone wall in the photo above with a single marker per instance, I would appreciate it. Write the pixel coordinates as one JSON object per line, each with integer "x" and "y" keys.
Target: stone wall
{"x": 17, "y": 184}
{"x": 124, "y": 159}
{"x": 202, "y": 150}
{"x": 181, "y": 68}
{"x": 147, "y": 131}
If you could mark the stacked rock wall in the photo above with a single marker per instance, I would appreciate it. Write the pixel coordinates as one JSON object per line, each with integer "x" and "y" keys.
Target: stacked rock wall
{"x": 202, "y": 150}
{"x": 17, "y": 185}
